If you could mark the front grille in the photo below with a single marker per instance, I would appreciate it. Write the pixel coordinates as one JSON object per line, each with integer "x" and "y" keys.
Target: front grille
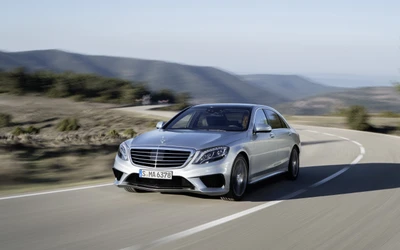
{"x": 177, "y": 182}
{"x": 159, "y": 158}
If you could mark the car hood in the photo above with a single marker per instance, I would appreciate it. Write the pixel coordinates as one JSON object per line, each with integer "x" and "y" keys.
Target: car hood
{"x": 187, "y": 139}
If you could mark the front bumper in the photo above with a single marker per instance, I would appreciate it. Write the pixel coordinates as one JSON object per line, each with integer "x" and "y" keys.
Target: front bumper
{"x": 209, "y": 179}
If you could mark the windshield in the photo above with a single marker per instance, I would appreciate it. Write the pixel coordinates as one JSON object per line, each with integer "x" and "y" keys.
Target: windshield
{"x": 226, "y": 118}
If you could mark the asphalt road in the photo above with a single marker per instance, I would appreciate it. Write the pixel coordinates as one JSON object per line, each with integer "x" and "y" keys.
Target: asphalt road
{"x": 346, "y": 197}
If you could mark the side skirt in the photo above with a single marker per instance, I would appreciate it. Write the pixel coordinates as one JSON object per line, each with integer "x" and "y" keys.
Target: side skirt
{"x": 266, "y": 176}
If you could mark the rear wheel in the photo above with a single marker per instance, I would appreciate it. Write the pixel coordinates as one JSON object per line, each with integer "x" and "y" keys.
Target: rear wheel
{"x": 239, "y": 177}
{"x": 134, "y": 190}
{"x": 294, "y": 165}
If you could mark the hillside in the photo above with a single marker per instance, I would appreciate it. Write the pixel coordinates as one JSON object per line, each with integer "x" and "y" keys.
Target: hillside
{"x": 206, "y": 84}
{"x": 375, "y": 99}
{"x": 292, "y": 87}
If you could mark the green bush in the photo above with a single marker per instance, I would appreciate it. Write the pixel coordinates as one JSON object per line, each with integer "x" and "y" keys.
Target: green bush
{"x": 103, "y": 98}
{"x": 130, "y": 132}
{"x": 5, "y": 120}
{"x": 32, "y": 130}
{"x": 18, "y": 131}
{"x": 397, "y": 85}
{"x": 68, "y": 124}
{"x": 340, "y": 112}
{"x": 88, "y": 87}
{"x": 357, "y": 118}
{"x": 78, "y": 98}
{"x": 113, "y": 133}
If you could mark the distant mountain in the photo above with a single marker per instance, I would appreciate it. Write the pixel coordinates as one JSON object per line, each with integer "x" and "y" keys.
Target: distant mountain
{"x": 293, "y": 87}
{"x": 355, "y": 81}
{"x": 206, "y": 84}
{"x": 375, "y": 99}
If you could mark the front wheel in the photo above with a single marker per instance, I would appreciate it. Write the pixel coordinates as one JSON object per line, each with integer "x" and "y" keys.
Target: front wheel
{"x": 239, "y": 178}
{"x": 294, "y": 165}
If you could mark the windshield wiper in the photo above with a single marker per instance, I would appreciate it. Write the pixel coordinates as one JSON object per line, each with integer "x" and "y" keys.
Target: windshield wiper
{"x": 214, "y": 129}
{"x": 179, "y": 129}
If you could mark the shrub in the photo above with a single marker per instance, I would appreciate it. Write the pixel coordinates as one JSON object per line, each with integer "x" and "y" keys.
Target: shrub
{"x": 59, "y": 89}
{"x": 113, "y": 133}
{"x": 130, "y": 132}
{"x": 78, "y": 98}
{"x": 18, "y": 131}
{"x": 103, "y": 98}
{"x": 340, "y": 112}
{"x": 68, "y": 124}
{"x": 32, "y": 130}
{"x": 357, "y": 118}
{"x": 5, "y": 120}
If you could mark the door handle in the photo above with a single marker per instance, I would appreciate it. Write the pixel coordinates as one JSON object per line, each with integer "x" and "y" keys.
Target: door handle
{"x": 290, "y": 133}
{"x": 272, "y": 135}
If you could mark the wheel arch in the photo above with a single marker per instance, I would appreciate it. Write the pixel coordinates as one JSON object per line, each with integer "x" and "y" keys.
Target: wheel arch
{"x": 246, "y": 157}
{"x": 296, "y": 147}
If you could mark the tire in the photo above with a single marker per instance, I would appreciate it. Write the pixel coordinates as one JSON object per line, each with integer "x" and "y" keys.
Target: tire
{"x": 239, "y": 180}
{"x": 294, "y": 165}
{"x": 134, "y": 190}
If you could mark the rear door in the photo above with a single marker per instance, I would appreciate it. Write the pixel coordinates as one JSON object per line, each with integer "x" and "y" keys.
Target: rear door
{"x": 282, "y": 135}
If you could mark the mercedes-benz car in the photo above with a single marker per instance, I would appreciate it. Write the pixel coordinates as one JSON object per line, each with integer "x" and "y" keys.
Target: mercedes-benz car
{"x": 212, "y": 149}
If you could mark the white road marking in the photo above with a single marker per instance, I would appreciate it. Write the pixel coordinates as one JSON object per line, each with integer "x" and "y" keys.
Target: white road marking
{"x": 357, "y": 143}
{"x": 330, "y": 177}
{"x": 54, "y": 192}
{"x": 347, "y": 130}
{"x": 205, "y": 226}
{"x": 357, "y": 160}
{"x": 362, "y": 149}
{"x": 232, "y": 217}
{"x": 311, "y": 131}
{"x": 328, "y": 134}
{"x": 294, "y": 194}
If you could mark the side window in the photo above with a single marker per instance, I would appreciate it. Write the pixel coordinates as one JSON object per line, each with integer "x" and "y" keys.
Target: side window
{"x": 284, "y": 125}
{"x": 260, "y": 117}
{"x": 273, "y": 119}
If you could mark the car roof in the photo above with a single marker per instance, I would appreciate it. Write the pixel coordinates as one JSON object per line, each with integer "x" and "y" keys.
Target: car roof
{"x": 247, "y": 105}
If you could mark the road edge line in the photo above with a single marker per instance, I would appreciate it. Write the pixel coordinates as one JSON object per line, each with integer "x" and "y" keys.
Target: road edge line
{"x": 54, "y": 191}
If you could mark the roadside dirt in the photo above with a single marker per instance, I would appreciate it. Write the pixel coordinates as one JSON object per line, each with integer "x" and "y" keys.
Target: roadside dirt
{"x": 53, "y": 158}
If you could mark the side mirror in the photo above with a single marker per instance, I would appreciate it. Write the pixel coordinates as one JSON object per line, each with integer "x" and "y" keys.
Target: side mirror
{"x": 160, "y": 125}
{"x": 262, "y": 128}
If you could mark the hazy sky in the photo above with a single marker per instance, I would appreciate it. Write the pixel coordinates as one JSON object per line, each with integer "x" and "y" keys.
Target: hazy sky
{"x": 297, "y": 36}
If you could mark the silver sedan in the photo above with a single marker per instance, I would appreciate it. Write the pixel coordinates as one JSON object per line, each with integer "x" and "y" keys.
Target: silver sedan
{"x": 212, "y": 149}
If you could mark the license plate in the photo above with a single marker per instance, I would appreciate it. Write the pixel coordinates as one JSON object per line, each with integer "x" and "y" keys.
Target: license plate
{"x": 167, "y": 175}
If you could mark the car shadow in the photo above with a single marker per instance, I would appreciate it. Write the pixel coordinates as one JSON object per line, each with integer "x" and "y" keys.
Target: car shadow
{"x": 307, "y": 143}
{"x": 358, "y": 178}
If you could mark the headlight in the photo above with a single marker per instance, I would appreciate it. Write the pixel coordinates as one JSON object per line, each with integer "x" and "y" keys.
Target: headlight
{"x": 123, "y": 151}
{"x": 210, "y": 155}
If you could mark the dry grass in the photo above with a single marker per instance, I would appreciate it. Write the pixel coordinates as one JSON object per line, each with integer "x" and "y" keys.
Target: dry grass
{"x": 53, "y": 158}
{"x": 385, "y": 124}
